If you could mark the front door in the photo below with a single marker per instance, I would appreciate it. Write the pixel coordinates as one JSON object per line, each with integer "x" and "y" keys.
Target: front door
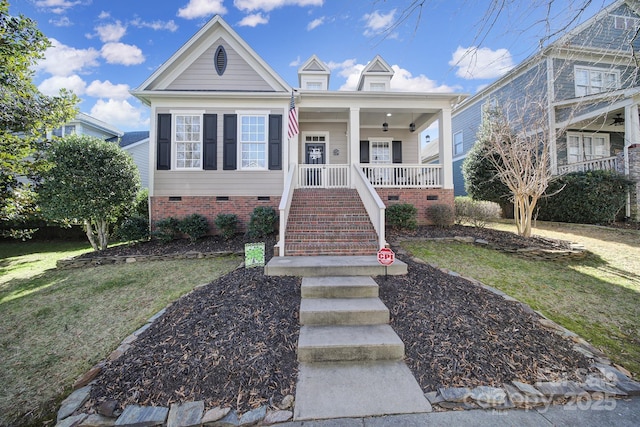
{"x": 314, "y": 155}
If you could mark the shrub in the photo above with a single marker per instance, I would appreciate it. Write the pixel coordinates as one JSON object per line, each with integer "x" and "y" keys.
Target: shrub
{"x": 401, "y": 216}
{"x": 475, "y": 212}
{"x": 227, "y": 224}
{"x": 133, "y": 228}
{"x": 166, "y": 229}
{"x": 441, "y": 215}
{"x": 593, "y": 197}
{"x": 195, "y": 226}
{"x": 141, "y": 206}
{"x": 263, "y": 222}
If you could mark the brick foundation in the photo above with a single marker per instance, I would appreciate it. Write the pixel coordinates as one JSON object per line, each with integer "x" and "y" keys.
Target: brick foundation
{"x": 420, "y": 198}
{"x": 210, "y": 207}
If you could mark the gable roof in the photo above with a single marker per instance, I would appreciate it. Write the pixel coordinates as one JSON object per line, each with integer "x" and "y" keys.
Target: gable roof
{"x": 130, "y": 138}
{"x": 314, "y": 66}
{"x": 214, "y": 31}
{"x": 376, "y": 67}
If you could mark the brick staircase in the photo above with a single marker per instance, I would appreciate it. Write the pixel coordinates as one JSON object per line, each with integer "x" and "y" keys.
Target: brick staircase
{"x": 329, "y": 222}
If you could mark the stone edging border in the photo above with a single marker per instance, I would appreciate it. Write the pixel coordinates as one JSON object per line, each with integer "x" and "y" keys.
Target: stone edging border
{"x": 79, "y": 262}
{"x": 575, "y": 250}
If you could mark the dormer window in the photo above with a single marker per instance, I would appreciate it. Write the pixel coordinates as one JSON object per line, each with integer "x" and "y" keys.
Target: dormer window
{"x": 220, "y": 60}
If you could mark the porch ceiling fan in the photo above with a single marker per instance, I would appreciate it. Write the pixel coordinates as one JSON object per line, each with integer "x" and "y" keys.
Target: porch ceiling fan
{"x": 617, "y": 120}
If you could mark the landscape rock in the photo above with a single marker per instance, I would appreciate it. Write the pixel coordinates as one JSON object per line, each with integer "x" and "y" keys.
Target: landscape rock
{"x": 229, "y": 420}
{"x": 560, "y": 389}
{"x": 490, "y": 395}
{"x": 214, "y": 414}
{"x": 108, "y": 408}
{"x": 253, "y": 417}
{"x": 527, "y": 389}
{"x": 88, "y": 376}
{"x": 274, "y": 417}
{"x": 97, "y": 420}
{"x": 185, "y": 415}
{"x": 71, "y": 421}
{"x": 142, "y": 416}
{"x": 73, "y": 402}
{"x": 455, "y": 394}
{"x": 287, "y": 402}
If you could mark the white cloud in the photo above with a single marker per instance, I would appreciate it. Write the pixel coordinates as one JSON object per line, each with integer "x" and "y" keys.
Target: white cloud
{"x": 315, "y": 23}
{"x": 62, "y": 22}
{"x": 254, "y": 20}
{"x": 296, "y": 62}
{"x": 201, "y": 8}
{"x": 156, "y": 25}
{"x": 120, "y": 53}
{"x": 377, "y": 23}
{"x": 52, "y": 85}
{"x": 62, "y": 60}
{"x": 121, "y": 114}
{"x": 104, "y": 15}
{"x": 57, "y": 6}
{"x": 111, "y": 32}
{"x": 481, "y": 63}
{"x": 269, "y": 5}
{"x": 106, "y": 89}
{"x": 402, "y": 80}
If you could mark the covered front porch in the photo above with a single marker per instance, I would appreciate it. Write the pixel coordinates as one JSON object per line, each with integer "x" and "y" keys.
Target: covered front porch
{"x": 371, "y": 143}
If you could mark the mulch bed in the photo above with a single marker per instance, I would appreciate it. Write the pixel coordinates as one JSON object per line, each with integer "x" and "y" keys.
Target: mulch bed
{"x": 233, "y": 343}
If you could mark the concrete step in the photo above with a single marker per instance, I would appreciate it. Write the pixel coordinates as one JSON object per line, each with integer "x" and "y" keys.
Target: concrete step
{"x": 339, "y": 287}
{"x": 348, "y": 390}
{"x": 343, "y": 311}
{"x": 349, "y": 343}
{"x": 317, "y": 266}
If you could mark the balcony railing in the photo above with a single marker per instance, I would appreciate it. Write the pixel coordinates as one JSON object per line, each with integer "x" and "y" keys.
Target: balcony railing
{"x": 404, "y": 176}
{"x": 604, "y": 163}
{"x": 323, "y": 176}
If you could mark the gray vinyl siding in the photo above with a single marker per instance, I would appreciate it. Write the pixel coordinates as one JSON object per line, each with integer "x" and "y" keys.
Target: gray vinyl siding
{"x": 140, "y": 155}
{"x": 458, "y": 179}
{"x": 337, "y": 140}
{"x": 218, "y": 182}
{"x": 602, "y": 34}
{"x": 238, "y": 76}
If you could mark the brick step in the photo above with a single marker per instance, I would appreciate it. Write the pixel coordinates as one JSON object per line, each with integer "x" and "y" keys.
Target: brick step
{"x": 330, "y": 237}
{"x": 336, "y": 248}
{"x": 328, "y": 216}
{"x": 329, "y": 227}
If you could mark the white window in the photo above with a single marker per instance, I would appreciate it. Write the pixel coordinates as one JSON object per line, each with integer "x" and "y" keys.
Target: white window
{"x": 377, "y": 87}
{"x": 582, "y": 147}
{"x": 589, "y": 81}
{"x": 626, "y": 23}
{"x": 458, "y": 143}
{"x": 314, "y": 85}
{"x": 188, "y": 141}
{"x": 380, "y": 152}
{"x": 253, "y": 141}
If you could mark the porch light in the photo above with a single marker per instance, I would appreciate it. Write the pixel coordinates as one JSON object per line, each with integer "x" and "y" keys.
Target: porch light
{"x": 385, "y": 127}
{"x": 412, "y": 127}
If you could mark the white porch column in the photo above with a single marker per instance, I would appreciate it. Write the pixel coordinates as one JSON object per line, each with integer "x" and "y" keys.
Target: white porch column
{"x": 354, "y": 139}
{"x": 445, "y": 147}
{"x": 632, "y": 136}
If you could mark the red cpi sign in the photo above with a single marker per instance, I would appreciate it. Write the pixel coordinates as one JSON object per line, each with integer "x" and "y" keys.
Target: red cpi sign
{"x": 386, "y": 256}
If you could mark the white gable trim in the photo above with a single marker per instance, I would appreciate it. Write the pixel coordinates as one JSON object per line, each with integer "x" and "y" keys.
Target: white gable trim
{"x": 215, "y": 29}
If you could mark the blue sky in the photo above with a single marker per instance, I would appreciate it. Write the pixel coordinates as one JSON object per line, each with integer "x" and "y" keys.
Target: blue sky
{"x": 104, "y": 48}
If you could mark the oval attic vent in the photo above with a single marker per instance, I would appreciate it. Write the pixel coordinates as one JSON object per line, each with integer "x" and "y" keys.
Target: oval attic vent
{"x": 220, "y": 60}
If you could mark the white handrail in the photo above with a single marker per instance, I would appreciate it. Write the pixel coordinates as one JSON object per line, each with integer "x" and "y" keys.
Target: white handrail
{"x": 604, "y": 163}
{"x": 285, "y": 205}
{"x": 372, "y": 203}
{"x": 403, "y": 175}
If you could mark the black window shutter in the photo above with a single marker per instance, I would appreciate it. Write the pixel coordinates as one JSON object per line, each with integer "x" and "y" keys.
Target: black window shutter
{"x": 164, "y": 142}
{"x": 275, "y": 142}
{"x": 364, "y": 151}
{"x": 396, "y": 151}
{"x": 229, "y": 143}
{"x": 210, "y": 146}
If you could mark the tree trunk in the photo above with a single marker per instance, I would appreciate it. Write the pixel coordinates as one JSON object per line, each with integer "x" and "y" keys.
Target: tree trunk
{"x": 89, "y": 230}
{"x": 103, "y": 233}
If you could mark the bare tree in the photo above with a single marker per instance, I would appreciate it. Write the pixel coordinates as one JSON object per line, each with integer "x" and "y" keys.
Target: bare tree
{"x": 518, "y": 150}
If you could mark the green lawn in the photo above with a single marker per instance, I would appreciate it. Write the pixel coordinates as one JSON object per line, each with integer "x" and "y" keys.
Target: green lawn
{"x": 597, "y": 297}
{"x": 57, "y": 324}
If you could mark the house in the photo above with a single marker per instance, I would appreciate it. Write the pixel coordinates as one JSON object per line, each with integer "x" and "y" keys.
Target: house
{"x": 588, "y": 87}
{"x": 84, "y": 124}
{"x": 136, "y": 143}
{"x": 223, "y": 140}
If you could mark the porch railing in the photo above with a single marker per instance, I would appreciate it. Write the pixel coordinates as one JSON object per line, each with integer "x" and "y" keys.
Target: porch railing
{"x": 372, "y": 203}
{"x": 323, "y": 176}
{"x": 604, "y": 163}
{"x": 285, "y": 205}
{"x": 404, "y": 176}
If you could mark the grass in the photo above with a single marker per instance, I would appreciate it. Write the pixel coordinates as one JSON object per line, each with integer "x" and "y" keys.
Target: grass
{"x": 57, "y": 324}
{"x": 597, "y": 297}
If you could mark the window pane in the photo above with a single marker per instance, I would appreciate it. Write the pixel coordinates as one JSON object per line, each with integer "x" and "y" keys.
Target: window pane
{"x": 188, "y": 141}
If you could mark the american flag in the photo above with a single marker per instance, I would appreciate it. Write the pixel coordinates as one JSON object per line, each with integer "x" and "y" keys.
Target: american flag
{"x": 293, "y": 118}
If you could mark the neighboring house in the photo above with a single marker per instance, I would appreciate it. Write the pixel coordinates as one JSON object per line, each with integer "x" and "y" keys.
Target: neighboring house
{"x": 137, "y": 145}
{"x": 84, "y": 124}
{"x": 223, "y": 139}
{"x": 587, "y": 82}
